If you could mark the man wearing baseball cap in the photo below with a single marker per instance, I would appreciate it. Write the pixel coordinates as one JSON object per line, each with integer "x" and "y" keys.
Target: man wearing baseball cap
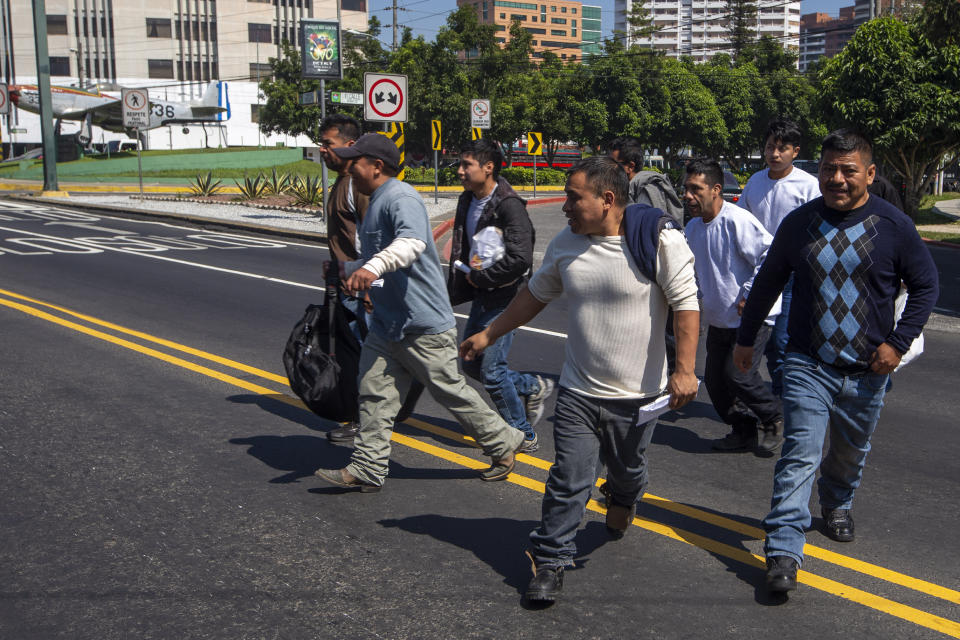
{"x": 413, "y": 333}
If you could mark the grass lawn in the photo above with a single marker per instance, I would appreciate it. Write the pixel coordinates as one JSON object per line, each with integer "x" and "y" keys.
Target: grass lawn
{"x": 300, "y": 167}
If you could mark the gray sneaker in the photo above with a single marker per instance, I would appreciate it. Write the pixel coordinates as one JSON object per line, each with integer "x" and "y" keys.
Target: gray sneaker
{"x": 529, "y": 446}
{"x": 535, "y": 402}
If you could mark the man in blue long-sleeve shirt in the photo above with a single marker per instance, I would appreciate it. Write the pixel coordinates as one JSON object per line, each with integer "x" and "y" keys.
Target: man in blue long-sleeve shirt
{"x": 848, "y": 253}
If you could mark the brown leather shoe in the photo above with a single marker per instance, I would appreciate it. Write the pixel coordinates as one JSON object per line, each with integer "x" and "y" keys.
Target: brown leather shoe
{"x": 343, "y": 478}
{"x": 499, "y": 469}
{"x": 619, "y": 518}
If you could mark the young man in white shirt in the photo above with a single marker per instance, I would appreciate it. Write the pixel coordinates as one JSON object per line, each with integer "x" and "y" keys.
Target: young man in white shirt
{"x": 615, "y": 358}
{"x": 770, "y": 195}
{"x": 729, "y": 245}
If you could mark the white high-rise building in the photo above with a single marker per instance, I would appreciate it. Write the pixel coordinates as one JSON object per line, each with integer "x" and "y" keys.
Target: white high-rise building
{"x": 700, "y": 28}
{"x": 172, "y": 47}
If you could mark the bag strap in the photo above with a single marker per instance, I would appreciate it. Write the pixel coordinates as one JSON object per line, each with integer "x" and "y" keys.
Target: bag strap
{"x": 330, "y": 302}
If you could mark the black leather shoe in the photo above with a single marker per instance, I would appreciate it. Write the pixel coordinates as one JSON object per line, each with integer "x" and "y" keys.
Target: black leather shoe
{"x": 735, "y": 441}
{"x": 346, "y": 433}
{"x": 781, "y": 574}
{"x": 771, "y": 437}
{"x": 837, "y": 524}
{"x": 546, "y": 585}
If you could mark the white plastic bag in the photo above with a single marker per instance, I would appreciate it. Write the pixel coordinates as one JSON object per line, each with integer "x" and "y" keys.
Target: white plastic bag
{"x": 917, "y": 347}
{"x": 486, "y": 248}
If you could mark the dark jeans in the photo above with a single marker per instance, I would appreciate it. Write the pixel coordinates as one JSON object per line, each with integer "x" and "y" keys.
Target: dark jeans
{"x": 777, "y": 344}
{"x": 738, "y": 396}
{"x": 585, "y": 431}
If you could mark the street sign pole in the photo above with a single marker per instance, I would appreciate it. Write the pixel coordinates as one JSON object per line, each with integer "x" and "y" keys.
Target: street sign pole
{"x": 139, "y": 166}
{"x": 534, "y": 176}
{"x": 46, "y": 103}
{"x": 436, "y": 178}
{"x": 323, "y": 165}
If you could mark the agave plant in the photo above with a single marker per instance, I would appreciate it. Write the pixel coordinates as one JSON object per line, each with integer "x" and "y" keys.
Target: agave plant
{"x": 278, "y": 183}
{"x": 307, "y": 190}
{"x": 252, "y": 188}
{"x": 204, "y": 185}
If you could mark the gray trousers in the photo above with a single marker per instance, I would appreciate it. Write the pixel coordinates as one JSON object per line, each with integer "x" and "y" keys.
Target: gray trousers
{"x": 585, "y": 431}
{"x": 387, "y": 369}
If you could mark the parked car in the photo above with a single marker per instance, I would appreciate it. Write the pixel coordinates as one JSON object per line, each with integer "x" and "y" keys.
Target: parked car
{"x": 810, "y": 166}
{"x": 731, "y": 188}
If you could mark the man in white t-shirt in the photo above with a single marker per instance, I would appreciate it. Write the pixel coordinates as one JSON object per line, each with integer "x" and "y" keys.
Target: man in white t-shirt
{"x": 729, "y": 245}
{"x": 615, "y": 358}
{"x": 770, "y": 195}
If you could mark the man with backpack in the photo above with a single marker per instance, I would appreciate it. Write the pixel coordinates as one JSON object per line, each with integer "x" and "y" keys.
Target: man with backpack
{"x": 620, "y": 267}
{"x": 651, "y": 188}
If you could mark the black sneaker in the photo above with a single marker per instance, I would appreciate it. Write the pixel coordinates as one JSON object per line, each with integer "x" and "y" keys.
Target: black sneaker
{"x": 771, "y": 437}
{"x": 837, "y": 524}
{"x": 345, "y": 433}
{"x": 735, "y": 441}
{"x": 781, "y": 574}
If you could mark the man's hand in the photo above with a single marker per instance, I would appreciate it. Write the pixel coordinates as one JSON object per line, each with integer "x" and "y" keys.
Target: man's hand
{"x": 743, "y": 357}
{"x": 741, "y": 305}
{"x": 682, "y": 387}
{"x": 470, "y": 281}
{"x": 474, "y": 346}
{"x": 885, "y": 359}
{"x": 359, "y": 281}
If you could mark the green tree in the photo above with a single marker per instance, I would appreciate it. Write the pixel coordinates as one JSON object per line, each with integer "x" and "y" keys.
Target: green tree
{"x": 743, "y": 24}
{"x": 768, "y": 55}
{"x": 732, "y": 88}
{"x": 282, "y": 112}
{"x": 639, "y": 22}
{"x": 903, "y": 89}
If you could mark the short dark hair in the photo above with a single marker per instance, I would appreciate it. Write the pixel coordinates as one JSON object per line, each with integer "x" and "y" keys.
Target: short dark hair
{"x": 631, "y": 151}
{"x": 848, "y": 141}
{"x": 603, "y": 174}
{"x": 783, "y": 130}
{"x": 483, "y": 151}
{"x": 709, "y": 168}
{"x": 347, "y": 127}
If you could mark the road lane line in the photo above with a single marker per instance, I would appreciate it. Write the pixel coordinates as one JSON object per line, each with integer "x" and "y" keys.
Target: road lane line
{"x": 157, "y": 340}
{"x": 876, "y": 602}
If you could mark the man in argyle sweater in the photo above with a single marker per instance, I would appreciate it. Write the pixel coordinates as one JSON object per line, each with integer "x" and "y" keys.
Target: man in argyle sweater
{"x": 848, "y": 252}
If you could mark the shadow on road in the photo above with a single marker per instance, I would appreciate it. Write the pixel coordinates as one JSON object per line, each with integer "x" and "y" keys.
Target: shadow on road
{"x": 499, "y": 542}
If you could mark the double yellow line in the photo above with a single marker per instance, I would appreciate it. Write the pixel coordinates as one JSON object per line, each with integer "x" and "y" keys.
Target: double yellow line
{"x": 69, "y": 319}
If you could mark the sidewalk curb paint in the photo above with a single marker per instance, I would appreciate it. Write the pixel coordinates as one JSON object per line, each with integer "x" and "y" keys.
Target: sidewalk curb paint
{"x": 941, "y": 243}
{"x": 442, "y": 228}
{"x": 548, "y": 200}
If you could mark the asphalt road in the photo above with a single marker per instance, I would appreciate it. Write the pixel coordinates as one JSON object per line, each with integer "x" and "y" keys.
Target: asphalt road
{"x": 158, "y": 477}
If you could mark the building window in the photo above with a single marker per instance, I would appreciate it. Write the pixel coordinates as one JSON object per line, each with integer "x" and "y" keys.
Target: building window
{"x": 573, "y": 23}
{"x": 259, "y": 32}
{"x": 518, "y": 16}
{"x": 533, "y": 18}
{"x": 563, "y": 9}
{"x": 158, "y": 28}
{"x": 503, "y": 16}
{"x": 558, "y": 20}
{"x": 573, "y": 10}
{"x": 354, "y": 5}
{"x": 553, "y": 9}
{"x": 536, "y": 31}
{"x": 557, "y": 32}
{"x": 259, "y": 71}
{"x": 59, "y": 65}
{"x": 57, "y": 26}
{"x": 160, "y": 69}
{"x": 255, "y": 113}
{"x": 573, "y": 32}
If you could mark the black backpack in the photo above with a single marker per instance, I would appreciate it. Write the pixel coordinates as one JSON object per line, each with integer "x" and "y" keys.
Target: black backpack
{"x": 322, "y": 356}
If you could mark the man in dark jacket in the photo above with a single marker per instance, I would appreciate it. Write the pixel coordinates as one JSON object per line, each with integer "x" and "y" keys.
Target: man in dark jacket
{"x": 489, "y": 201}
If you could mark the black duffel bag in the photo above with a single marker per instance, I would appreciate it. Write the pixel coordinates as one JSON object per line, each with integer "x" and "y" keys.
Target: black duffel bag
{"x": 322, "y": 356}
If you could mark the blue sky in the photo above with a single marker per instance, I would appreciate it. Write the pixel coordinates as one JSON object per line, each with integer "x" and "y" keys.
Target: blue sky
{"x": 426, "y": 17}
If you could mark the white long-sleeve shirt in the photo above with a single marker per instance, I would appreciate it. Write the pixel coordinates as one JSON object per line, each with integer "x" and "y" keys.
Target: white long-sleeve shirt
{"x": 771, "y": 200}
{"x": 729, "y": 251}
{"x": 615, "y": 346}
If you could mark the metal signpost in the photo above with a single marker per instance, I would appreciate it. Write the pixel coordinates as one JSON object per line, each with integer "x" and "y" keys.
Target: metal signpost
{"x": 320, "y": 46}
{"x": 5, "y": 110}
{"x": 535, "y": 149}
{"x": 435, "y": 142}
{"x": 136, "y": 116}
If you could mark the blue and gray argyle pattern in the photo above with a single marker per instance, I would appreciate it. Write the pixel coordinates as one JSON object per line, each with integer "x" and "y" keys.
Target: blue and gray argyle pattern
{"x": 839, "y": 260}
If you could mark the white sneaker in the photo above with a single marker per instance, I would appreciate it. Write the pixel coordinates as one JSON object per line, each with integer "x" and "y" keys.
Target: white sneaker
{"x": 535, "y": 402}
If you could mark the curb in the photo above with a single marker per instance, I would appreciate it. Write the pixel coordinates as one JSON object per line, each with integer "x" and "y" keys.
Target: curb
{"x": 241, "y": 203}
{"x": 547, "y": 200}
{"x": 940, "y": 243}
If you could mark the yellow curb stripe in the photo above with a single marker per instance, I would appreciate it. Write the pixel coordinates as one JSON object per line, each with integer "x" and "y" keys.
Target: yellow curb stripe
{"x": 853, "y": 594}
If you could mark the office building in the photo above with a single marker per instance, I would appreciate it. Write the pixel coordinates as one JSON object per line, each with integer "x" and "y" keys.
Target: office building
{"x": 701, "y": 29}
{"x": 556, "y": 26}
{"x": 174, "y": 47}
{"x": 592, "y": 36}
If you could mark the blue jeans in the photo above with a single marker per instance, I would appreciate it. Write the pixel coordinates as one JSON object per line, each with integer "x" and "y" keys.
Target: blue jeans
{"x": 505, "y": 386}
{"x": 777, "y": 344}
{"x": 587, "y": 430}
{"x": 816, "y": 398}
